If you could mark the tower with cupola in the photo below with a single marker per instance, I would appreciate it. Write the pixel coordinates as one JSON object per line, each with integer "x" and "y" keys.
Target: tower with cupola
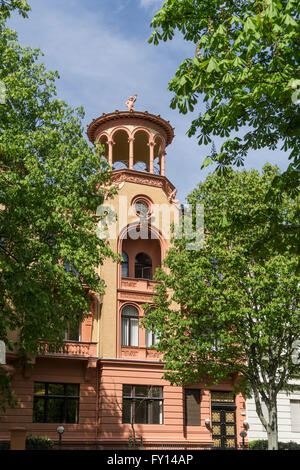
{"x": 106, "y": 386}
{"x": 135, "y": 147}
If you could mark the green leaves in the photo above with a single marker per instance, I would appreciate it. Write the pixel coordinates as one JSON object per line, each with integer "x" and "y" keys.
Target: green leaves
{"x": 287, "y": 20}
{"x": 232, "y": 307}
{"x": 249, "y": 25}
{"x": 48, "y": 200}
{"x": 246, "y": 69}
{"x": 207, "y": 161}
{"x": 7, "y": 6}
{"x": 155, "y": 37}
{"x": 212, "y": 66}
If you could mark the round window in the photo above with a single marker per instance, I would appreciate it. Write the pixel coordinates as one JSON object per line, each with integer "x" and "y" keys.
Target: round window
{"x": 141, "y": 209}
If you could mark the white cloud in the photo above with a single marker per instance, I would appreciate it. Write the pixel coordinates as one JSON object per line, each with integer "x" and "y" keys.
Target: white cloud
{"x": 151, "y": 3}
{"x": 101, "y": 65}
{"x": 102, "y": 60}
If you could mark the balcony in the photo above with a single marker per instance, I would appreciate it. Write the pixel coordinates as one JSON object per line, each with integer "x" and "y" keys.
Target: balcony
{"x": 71, "y": 349}
{"x": 141, "y": 285}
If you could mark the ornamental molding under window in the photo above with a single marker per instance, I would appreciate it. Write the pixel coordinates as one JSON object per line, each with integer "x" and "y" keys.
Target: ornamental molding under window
{"x": 139, "y": 297}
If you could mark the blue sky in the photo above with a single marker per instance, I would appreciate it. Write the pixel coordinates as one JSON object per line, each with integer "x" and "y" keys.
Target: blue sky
{"x": 101, "y": 51}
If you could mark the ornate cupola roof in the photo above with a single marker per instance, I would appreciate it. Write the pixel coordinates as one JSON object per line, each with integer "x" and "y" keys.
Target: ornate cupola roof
{"x": 131, "y": 118}
{"x": 133, "y": 140}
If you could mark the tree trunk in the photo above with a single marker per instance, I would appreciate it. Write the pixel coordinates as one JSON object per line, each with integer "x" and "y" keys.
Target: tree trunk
{"x": 272, "y": 428}
{"x": 270, "y": 425}
{"x": 133, "y": 433}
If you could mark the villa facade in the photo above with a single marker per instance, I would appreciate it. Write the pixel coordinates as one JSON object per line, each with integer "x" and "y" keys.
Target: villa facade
{"x": 107, "y": 388}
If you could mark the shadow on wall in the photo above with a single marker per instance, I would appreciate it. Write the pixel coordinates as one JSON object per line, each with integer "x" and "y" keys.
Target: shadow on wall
{"x": 114, "y": 433}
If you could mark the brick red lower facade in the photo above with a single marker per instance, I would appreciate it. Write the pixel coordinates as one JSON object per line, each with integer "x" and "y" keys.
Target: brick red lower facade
{"x": 100, "y": 406}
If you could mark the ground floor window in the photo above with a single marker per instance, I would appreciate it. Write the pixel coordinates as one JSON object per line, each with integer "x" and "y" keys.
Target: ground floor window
{"x": 142, "y": 404}
{"x": 55, "y": 403}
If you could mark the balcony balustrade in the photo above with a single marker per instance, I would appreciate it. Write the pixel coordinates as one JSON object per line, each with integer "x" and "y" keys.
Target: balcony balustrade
{"x": 142, "y": 285}
{"x": 71, "y": 349}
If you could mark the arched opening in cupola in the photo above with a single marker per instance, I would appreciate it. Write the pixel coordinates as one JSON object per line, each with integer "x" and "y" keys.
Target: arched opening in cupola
{"x": 120, "y": 150}
{"x": 158, "y": 149}
{"x": 141, "y": 151}
{"x": 104, "y": 142}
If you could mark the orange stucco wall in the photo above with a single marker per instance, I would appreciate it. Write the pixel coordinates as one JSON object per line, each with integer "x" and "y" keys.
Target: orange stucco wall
{"x": 100, "y": 406}
{"x": 114, "y": 375}
{"x": 53, "y": 370}
{"x": 173, "y": 431}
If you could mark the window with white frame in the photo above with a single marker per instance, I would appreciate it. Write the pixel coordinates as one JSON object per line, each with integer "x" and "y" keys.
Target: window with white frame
{"x": 130, "y": 326}
{"x": 295, "y": 415}
{"x": 151, "y": 338}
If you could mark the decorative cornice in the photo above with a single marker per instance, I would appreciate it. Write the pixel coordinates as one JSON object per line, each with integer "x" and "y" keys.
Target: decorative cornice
{"x": 118, "y": 116}
{"x": 140, "y": 177}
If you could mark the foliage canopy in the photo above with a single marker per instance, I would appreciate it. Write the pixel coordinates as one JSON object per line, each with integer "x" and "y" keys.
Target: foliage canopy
{"x": 246, "y": 68}
{"x": 51, "y": 183}
{"x": 231, "y": 309}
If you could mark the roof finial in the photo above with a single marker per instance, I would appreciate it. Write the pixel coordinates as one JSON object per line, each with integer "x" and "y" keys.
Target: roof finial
{"x": 130, "y": 102}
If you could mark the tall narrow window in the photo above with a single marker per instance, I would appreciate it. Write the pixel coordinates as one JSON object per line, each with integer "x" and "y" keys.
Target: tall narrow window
{"x": 295, "y": 415}
{"x": 143, "y": 266}
{"x": 151, "y": 338}
{"x": 192, "y": 407}
{"x": 130, "y": 326}
{"x": 124, "y": 264}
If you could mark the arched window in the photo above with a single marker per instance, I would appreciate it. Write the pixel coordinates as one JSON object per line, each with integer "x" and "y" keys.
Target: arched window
{"x": 141, "y": 151}
{"x": 130, "y": 326}
{"x": 124, "y": 264}
{"x": 143, "y": 266}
